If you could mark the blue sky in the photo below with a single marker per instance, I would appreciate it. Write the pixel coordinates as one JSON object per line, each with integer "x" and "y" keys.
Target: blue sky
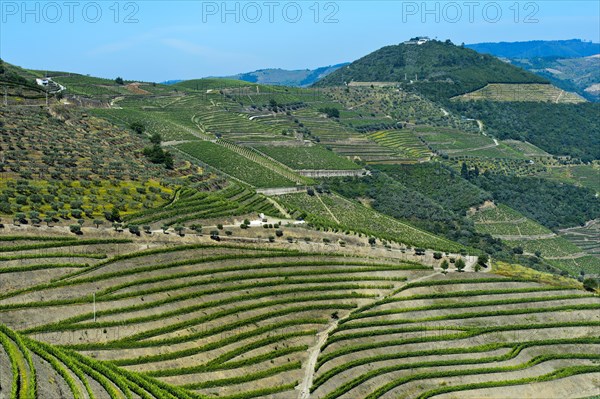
{"x": 159, "y": 40}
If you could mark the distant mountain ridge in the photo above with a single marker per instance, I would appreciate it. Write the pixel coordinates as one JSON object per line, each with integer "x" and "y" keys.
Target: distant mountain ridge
{"x": 171, "y": 82}
{"x": 573, "y": 48}
{"x": 285, "y": 77}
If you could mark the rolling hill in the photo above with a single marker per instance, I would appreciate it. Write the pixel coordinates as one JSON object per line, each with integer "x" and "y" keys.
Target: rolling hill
{"x": 322, "y": 243}
{"x": 436, "y": 69}
{"x": 581, "y": 75}
{"x": 284, "y": 77}
{"x": 573, "y": 65}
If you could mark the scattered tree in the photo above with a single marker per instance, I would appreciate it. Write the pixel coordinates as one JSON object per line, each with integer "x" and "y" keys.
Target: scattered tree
{"x": 20, "y": 218}
{"x": 138, "y": 127}
{"x": 157, "y": 155}
{"x": 330, "y": 112}
{"x": 76, "y": 213}
{"x": 591, "y": 284}
{"x": 482, "y": 260}
{"x": 444, "y": 266}
{"x": 156, "y": 138}
{"x": 460, "y": 264}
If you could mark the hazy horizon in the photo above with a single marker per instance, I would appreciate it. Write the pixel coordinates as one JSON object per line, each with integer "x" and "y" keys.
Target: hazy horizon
{"x": 159, "y": 41}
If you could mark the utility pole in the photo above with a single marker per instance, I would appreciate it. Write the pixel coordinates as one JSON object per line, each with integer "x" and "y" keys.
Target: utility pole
{"x": 94, "y": 307}
{"x": 5, "y": 96}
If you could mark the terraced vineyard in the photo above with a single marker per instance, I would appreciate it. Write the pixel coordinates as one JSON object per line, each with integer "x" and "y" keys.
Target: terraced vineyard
{"x": 585, "y": 237}
{"x": 192, "y": 206}
{"x": 523, "y": 234}
{"x": 578, "y": 265}
{"x": 521, "y": 92}
{"x": 243, "y": 117}
{"x": 502, "y": 221}
{"x": 91, "y": 86}
{"x": 548, "y": 248}
{"x": 326, "y": 129}
{"x": 227, "y": 320}
{"x": 394, "y": 104}
{"x": 156, "y": 318}
{"x": 365, "y": 150}
{"x": 527, "y": 149}
{"x": 229, "y": 122}
{"x": 260, "y": 159}
{"x": 335, "y": 212}
{"x": 40, "y": 370}
{"x": 456, "y": 144}
{"x": 467, "y": 336}
{"x": 315, "y": 294}
{"x": 158, "y": 121}
{"x": 261, "y": 95}
{"x": 308, "y": 158}
{"x": 406, "y": 143}
{"x": 250, "y": 168}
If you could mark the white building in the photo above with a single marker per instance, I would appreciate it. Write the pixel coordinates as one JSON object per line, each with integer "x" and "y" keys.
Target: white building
{"x": 418, "y": 40}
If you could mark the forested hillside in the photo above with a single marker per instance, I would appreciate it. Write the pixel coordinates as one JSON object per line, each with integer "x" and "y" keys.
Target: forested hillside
{"x": 562, "y": 129}
{"x": 437, "y": 69}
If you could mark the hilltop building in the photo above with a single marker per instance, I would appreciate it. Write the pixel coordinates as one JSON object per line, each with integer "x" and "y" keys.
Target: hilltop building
{"x": 418, "y": 40}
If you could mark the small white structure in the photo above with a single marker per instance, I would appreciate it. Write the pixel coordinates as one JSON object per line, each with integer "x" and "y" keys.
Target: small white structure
{"x": 418, "y": 40}
{"x": 43, "y": 82}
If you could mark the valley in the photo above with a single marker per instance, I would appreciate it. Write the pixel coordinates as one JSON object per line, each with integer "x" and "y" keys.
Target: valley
{"x": 369, "y": 236}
